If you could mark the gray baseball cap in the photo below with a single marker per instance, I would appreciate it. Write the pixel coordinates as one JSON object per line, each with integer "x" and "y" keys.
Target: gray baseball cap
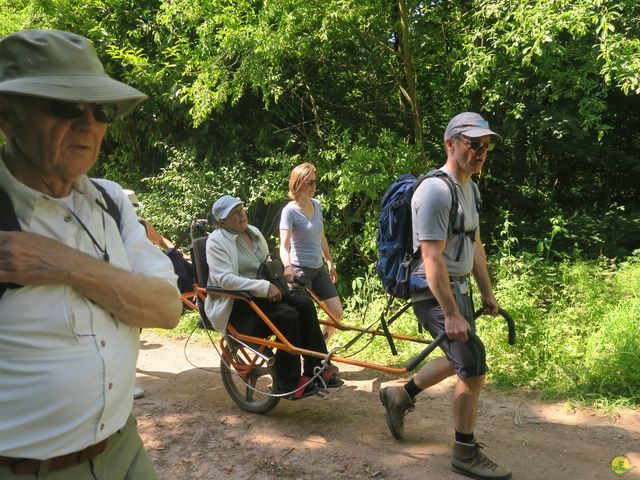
{"x": 222, "y": 207}
{"x": 61, "y": 66}
{"x": 470, "y": 124}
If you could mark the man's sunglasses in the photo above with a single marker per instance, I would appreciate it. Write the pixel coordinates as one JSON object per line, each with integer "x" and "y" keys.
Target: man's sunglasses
{"x": 477, "y": 145}
{"x": 102, "y": 112}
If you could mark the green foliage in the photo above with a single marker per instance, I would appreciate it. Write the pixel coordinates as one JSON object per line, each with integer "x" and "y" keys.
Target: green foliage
{"x": 577, "y": 328}
{"x": 16, "y": 15}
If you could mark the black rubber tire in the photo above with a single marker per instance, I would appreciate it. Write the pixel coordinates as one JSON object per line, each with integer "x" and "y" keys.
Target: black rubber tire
{"x": 262, "y": 377}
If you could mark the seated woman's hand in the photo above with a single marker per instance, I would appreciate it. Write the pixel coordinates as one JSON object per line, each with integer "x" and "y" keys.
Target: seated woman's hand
{"x": 289, "y": 274}
{"x": 273, "y": 295}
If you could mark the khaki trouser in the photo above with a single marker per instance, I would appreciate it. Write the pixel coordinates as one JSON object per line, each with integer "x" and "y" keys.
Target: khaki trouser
{"x": 124, "y": 459}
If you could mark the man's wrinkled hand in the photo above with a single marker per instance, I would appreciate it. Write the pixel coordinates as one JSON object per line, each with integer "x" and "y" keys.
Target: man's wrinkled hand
{"x": 32, "y": 259}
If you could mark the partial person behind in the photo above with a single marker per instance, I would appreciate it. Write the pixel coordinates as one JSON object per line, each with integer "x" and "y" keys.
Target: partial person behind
{"x": 234, "y": 252}
{"x": 181, "y": 263}
{"x": 156, "y": 239}
{"x": 304, "y": 249}
{"x": 81, "y": 278}
{"x": 152, "y": 234}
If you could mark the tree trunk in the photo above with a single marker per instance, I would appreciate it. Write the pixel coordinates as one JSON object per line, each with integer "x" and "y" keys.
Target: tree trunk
{"x": 410, "y": 92}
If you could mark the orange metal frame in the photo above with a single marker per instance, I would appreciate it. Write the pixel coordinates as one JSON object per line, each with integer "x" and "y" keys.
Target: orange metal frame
{"x": 189, "y": 300}
{"x": 281, "y": 342}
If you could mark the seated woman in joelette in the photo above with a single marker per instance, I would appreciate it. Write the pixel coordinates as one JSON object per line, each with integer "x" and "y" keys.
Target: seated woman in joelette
{"x": 235, "y": 251}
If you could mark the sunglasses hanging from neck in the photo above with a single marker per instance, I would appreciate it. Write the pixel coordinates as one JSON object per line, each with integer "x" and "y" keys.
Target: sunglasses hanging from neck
{"x": 102, "y": 250}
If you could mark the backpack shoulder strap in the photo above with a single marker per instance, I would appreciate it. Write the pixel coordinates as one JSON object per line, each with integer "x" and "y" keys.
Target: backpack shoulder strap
{"x": 476, "y": 195}
{"x": 453, "y": 212}
{"x": 8, "y": 219}
{"x": 112, "y": 208}
{"x": 8, "y": 223}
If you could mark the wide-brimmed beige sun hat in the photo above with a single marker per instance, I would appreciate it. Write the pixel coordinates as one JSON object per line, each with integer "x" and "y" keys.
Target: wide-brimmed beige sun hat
{"x": 62, "y": 66}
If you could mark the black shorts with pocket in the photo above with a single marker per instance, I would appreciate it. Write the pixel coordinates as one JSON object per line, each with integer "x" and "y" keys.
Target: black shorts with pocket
{"x": 468, "y": 358}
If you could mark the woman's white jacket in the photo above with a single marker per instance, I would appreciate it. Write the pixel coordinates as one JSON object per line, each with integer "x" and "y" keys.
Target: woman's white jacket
{"x": 222, "y": 258}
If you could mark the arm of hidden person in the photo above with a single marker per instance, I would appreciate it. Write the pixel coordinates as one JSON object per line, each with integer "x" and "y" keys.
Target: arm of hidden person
{"x": 155, "y": 237}
{"x": 139, "y": 300}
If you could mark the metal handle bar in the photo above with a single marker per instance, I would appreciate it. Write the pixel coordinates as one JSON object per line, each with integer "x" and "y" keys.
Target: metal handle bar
{"x": 509, "y": 320}
{"x": 238, "y": 293}
{"x": 415, "y": 361}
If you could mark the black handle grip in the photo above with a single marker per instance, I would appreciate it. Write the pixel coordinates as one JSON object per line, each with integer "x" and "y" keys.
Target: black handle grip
{"x": 415, "y": 361}
{"x": 510, "y": 323}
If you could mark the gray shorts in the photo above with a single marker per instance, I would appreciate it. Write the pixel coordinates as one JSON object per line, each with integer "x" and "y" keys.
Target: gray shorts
{"x": 317, "y": 280}
{"x": 468, "y": 358}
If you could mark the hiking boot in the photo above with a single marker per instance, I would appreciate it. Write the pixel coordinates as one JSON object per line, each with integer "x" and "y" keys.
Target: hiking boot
{"x": 398, "y": 403}
{"x": 467, "y": 459}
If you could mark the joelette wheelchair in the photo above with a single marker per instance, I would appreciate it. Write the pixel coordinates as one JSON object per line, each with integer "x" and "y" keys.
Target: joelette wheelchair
{"x": 247, "y": 362}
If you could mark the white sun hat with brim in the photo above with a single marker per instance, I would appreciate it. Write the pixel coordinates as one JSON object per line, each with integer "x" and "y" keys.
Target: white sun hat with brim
{"x": 62, "y": 66}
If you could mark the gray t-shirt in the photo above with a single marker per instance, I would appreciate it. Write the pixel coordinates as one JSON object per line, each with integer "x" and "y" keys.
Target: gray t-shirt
{"x": 305, "y": 234}
{"x": 430, "y": 207}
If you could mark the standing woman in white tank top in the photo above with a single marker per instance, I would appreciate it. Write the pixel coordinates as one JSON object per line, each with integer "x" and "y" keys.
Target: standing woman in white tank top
{"x": 303, "y": 246}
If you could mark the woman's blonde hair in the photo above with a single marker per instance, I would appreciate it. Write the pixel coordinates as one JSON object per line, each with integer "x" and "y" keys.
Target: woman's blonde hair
{"x": 299, "y": 175}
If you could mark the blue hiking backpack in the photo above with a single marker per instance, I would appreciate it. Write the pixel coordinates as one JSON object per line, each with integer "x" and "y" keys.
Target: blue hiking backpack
{"x": 394, "y": 240}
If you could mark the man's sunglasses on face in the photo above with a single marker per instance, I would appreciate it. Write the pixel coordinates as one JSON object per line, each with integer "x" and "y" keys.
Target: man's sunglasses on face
{"x": 102, "y": 112}
{"x": 476, "y": 145}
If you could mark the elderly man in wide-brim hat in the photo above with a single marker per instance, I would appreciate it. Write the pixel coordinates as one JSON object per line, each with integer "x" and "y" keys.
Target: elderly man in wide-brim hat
{"x": 78, "y": 278}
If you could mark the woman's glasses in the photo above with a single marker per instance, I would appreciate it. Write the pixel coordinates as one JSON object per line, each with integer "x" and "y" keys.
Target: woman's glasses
{"x": 476, "y": 145}
{"x": 313, "y": 182}
{"x": 102, "y": 112}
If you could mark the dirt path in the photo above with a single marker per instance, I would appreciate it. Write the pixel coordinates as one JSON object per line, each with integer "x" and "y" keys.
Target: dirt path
{"x": 193, "y": 430}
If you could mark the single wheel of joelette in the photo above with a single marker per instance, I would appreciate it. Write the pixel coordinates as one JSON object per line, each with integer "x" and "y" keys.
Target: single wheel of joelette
{"x": 248, "y": 378}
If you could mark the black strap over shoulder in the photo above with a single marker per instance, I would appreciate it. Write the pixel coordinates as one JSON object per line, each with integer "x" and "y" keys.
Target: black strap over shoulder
{"x": 112, "y": 209}
{"x": 9, "y": 220}
{"x": 8, "y": 223}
